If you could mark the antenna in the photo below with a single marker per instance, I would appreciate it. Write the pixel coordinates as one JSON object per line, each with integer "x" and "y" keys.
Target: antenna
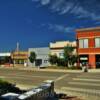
{"x": 17, "y": 48}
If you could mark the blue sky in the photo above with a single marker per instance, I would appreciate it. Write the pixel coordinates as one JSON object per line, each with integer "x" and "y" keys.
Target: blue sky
{"x": 35, "y": 23}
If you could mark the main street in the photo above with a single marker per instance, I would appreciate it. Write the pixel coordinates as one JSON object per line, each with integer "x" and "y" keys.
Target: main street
{"x": 85, "y": 85}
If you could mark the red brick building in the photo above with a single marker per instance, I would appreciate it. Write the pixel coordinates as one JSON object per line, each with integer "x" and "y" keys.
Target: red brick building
{"x": 88, "y": 46}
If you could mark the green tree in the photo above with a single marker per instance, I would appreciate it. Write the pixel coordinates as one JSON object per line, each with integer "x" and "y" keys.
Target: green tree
{"x": 73, "y": 60}
{"x": 32, "y": 57}
{"x": 7, "y": 59}
{"x": 69, "y": 58}
{"x": 60, "y": 62}
{"x": 53, "y": 59}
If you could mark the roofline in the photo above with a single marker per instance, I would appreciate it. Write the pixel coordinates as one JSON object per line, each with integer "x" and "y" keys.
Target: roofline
{"x": 88, "y": 29}
{"x": 38, "y": 47}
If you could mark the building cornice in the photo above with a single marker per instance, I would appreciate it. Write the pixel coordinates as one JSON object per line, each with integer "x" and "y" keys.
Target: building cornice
{"x": 88, "y": 29}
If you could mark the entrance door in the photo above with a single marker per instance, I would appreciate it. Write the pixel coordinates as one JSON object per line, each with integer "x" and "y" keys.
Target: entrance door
{"x": 84, "y": 59}
{"x": 97, "y": 61}
{"x": 38, "y": 62}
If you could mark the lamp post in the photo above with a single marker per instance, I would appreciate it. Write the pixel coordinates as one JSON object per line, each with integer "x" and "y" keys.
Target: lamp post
{"x": 12, "y": 55}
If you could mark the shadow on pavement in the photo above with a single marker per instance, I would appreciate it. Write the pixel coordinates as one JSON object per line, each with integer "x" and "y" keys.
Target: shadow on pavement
{"x": 62, "y": 96}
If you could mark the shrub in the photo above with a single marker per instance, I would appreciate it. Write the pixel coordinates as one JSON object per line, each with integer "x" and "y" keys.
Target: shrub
{"x": 6, "y": 87}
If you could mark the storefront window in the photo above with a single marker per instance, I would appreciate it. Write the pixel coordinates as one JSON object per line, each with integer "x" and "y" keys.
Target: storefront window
{"x": 61, "y": 54}
{"x": 97, "y": 42}
{"x": 83, "y": 43}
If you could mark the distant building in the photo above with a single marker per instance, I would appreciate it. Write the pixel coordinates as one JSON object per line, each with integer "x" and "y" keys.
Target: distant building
{"x": 88, "y": 46}
{"x": 42, "y": 56}
{"x": 19, "y": 57}
{"x": 57, "y": 48}
{"x": 5, "y": 59}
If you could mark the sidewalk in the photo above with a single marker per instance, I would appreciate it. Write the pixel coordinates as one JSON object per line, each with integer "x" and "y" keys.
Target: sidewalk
{"x": 94, "y": 70}
{"x": 51, "y": 70}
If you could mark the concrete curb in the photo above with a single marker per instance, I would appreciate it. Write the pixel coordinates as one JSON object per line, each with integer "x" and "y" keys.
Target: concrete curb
{"x": 51, "y": 70}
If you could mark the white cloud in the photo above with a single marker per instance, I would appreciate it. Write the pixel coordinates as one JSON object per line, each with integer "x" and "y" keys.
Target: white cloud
{"x": 60, "y": 28}
{"x": 56, "y": 5}
{"x": 79, "y": 11}
{"x": 65, "y": 9}
{"x": 42, "y": 2}
{"x": 45, "y": 2}
{"x": 77, "y": 8}
{"x": 97, "y": 23}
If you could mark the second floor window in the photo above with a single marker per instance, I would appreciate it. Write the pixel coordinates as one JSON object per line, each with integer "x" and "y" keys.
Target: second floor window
{"x": 97, "y": 42}
{"x": 83, "y": 43}
{"x": 61, "y": 55}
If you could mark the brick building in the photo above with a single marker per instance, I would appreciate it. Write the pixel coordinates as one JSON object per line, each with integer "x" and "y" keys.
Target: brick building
{"x": 88, "y": 46}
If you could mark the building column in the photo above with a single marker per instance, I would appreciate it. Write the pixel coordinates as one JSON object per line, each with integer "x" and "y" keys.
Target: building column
{"x": 92, "y": 61}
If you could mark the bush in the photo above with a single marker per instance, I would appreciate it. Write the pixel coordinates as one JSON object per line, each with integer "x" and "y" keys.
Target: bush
{"x": 60, "y": 62}
{"x": 74, "y": 67}
{"x": 53, "y": 59}
{"x": 6, "y": 87}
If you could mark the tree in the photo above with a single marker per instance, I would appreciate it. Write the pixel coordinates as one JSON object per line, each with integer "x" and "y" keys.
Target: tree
{"x": 7, "y": 59}
{"x": 60, "y": 62}
{"x": 73, "y": 60}
{"x": 53, "y": 59}
{"x": 32, "y": 57}
{"x": 69, "y": 58}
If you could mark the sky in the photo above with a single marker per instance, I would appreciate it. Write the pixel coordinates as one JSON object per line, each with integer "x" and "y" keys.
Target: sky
{"x": 36, "y": 23}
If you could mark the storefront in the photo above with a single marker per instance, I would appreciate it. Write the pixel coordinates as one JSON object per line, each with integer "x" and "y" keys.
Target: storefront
{"x": 5, "y": 59}
{"x": 88, "y": 46}
{"x": 19, "y": 58}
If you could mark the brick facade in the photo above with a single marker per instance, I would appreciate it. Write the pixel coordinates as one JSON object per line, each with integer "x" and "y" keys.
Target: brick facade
{"x": 91, "y": 51}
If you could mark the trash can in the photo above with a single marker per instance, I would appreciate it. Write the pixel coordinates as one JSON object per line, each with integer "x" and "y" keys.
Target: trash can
{"x": 85, "y": 69}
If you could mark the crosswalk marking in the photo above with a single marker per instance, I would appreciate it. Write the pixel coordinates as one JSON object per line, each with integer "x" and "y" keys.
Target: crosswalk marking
{"x": 96, "y": 77}
{"x": 93, "y": 91}
{"x": 61, "y": 77}
{"x": 84, "y": 79}
{"x": 85, "y": 84}
{"x": 26, "y": 76}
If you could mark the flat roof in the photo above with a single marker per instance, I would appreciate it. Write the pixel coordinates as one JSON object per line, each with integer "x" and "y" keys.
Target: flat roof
{"x": 5, "y": 54}
{"x": 88, "y": 29}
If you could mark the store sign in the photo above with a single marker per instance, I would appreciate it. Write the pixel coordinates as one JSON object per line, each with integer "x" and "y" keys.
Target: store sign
{"x": 83, "y": 58}
{"x": 5, "y": 54}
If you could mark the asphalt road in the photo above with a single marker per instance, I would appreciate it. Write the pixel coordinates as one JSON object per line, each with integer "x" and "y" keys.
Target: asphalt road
{"x": 83, "y": 84}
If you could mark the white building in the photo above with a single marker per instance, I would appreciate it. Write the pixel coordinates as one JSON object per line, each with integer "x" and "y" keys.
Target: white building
{"x": 57, "y": 48}
{"x": 7, "y": 54}
{"x": 42, "y": 56}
